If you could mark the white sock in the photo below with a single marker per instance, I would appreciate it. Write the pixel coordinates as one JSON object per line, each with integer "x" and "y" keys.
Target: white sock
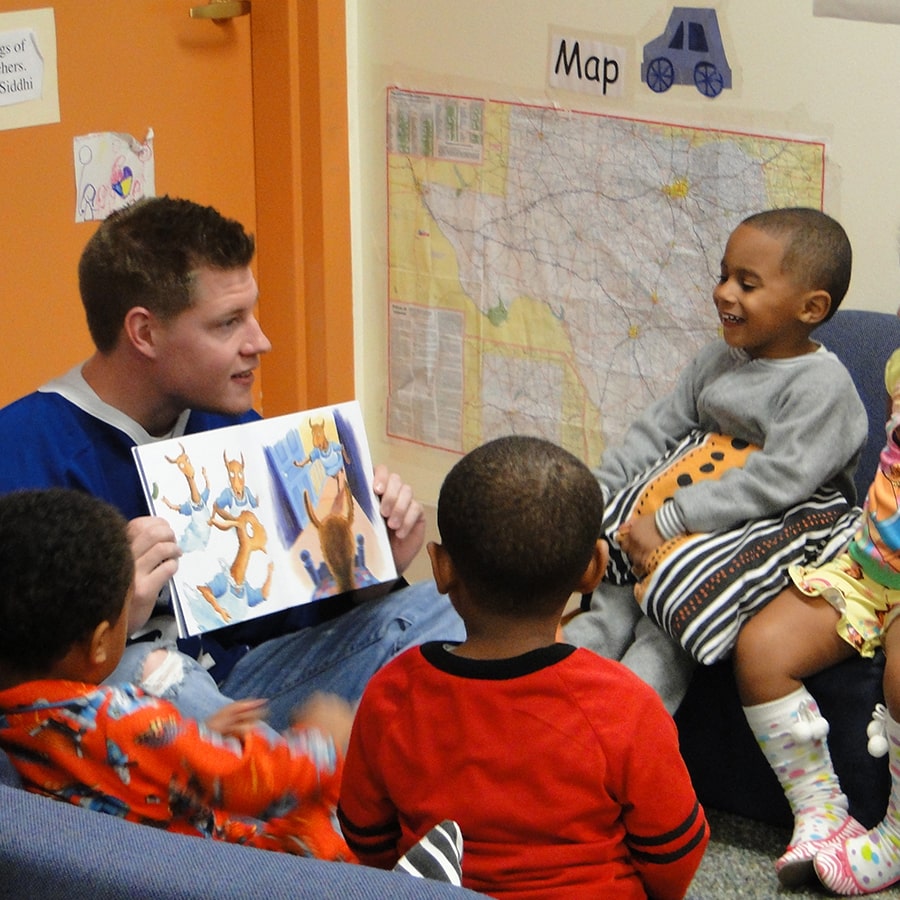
{"x": 875, "y": 857}
{"x": 789, "y": 731}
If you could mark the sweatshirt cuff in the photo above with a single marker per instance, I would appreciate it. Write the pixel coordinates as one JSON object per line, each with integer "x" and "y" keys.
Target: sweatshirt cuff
{"x": 668, "y": 521}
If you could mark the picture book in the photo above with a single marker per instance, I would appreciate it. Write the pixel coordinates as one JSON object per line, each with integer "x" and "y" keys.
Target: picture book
{"x": 268, "y": 515}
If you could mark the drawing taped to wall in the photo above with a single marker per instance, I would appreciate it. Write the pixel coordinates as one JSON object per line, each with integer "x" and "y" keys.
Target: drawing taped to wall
{"x": 689, "y": 51}
{"x": 112, "y": 170}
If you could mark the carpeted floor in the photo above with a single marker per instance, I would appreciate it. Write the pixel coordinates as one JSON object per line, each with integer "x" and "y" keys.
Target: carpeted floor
{"x": 740, "y": 863}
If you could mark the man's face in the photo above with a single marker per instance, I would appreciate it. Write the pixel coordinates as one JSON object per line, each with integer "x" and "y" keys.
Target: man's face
{"x": 207, "y": 355}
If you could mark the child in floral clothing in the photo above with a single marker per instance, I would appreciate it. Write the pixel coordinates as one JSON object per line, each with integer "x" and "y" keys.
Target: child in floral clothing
{"x": 833, "y": 610}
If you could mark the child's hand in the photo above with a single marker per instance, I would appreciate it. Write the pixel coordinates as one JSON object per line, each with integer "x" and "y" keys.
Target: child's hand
{"x": 331, "y": 714}
{"x": 638, "y": 538}
{"x": 237, "y": 718}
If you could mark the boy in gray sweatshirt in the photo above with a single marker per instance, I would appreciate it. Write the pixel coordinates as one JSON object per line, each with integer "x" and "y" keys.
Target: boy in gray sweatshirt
{"x": 744, "y": 469}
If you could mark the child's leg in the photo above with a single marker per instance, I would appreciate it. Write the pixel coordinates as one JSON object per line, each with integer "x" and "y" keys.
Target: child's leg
{"x": 661, "y": 662}
{"x": 616, "y": 628}
{"x": 871, "y": 862}
{"x": 787, "y": 641}
{"x": 608, "y": 626}
{"x": 791, "y": 638}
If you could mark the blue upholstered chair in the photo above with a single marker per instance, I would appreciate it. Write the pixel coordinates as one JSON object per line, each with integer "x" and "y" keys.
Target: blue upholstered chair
{"x": 55, "y": 851}
{"x": 49, "y": 849}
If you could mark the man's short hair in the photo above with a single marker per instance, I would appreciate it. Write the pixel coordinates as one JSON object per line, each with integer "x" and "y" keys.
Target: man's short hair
{"x": 817, "y": 252}
{"x": 146, "y": 255}
{"x": 520, "y": 517}
{"x": 65, "y": 566}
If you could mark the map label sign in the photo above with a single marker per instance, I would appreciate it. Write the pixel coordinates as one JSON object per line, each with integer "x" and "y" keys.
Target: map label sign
{"x": 586, "y": 66}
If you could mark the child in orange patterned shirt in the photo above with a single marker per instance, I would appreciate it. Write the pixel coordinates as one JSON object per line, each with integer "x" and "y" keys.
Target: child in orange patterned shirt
{"x": 66, "y": 579}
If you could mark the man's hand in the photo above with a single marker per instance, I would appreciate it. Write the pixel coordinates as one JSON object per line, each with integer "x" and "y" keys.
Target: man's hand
{"x": 403, "y": 513}
{"x": 156, "y": 556}
{"x": 638, "y": 538}
{"x": 238, "y": 717}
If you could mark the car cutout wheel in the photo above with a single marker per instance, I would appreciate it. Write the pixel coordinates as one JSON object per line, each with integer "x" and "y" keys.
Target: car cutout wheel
{"x": 708, "y": 79}
{"x": 660, "y": 74}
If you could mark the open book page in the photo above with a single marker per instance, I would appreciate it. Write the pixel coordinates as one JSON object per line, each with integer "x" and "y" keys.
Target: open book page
{"x": 269, "y": 515}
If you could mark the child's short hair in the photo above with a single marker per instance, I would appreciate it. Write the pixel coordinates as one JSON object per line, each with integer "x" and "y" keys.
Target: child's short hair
{"x": 65, "y": 566}
{"x": 520, "y": 517}
{"x": 817, "y": 251}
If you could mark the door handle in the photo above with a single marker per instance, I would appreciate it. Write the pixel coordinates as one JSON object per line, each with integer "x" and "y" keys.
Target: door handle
{"x": 219, "y": 10}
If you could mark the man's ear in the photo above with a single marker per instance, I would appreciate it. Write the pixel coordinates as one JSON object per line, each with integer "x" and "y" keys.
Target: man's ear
{"x": 139, "y": 328}
{"x": 441, "y": 567}
{"x": 595, "y": 570}
{"x": 815, "y": 307}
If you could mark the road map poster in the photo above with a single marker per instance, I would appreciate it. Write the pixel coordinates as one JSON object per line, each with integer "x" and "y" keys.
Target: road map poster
{"x": 550, "y": 271}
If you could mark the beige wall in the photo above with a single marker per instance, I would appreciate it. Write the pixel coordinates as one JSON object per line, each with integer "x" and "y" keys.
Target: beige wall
{"x": 794, "y": 75}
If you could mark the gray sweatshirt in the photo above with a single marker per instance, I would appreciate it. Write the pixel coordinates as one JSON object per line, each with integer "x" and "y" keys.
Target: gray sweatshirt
{"x": 804, "y": 413}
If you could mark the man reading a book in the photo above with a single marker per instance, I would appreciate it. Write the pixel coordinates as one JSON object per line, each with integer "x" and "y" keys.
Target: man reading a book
{"x": 170, "y": 300}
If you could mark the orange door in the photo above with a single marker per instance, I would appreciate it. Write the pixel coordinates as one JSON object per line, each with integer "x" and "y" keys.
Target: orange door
{"x": 123, "y": 66}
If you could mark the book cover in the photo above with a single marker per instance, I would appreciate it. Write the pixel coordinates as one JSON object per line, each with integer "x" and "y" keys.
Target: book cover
{"x": 268, "y": 515}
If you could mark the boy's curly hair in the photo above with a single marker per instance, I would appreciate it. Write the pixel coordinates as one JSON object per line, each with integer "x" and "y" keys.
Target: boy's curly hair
{"x": 65, "y": 566}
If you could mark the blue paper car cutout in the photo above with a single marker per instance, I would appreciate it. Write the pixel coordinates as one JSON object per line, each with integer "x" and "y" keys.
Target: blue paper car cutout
{"x": 689, "y": 51}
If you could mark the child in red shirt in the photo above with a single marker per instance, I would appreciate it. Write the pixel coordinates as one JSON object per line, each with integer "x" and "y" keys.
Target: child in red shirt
{"x": 562, "y": 768}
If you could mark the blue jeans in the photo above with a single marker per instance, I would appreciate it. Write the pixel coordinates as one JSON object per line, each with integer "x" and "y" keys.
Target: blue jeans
{"x": 338, "y": 657}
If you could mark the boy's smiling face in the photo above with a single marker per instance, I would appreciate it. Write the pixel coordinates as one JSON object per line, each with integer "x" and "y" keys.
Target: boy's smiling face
{"x": 763, "y": 310}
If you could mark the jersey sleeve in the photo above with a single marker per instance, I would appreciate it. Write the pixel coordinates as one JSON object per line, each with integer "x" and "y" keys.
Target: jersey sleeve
{"x": 368, "y": 817}
{"x": 666, "y": 828}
